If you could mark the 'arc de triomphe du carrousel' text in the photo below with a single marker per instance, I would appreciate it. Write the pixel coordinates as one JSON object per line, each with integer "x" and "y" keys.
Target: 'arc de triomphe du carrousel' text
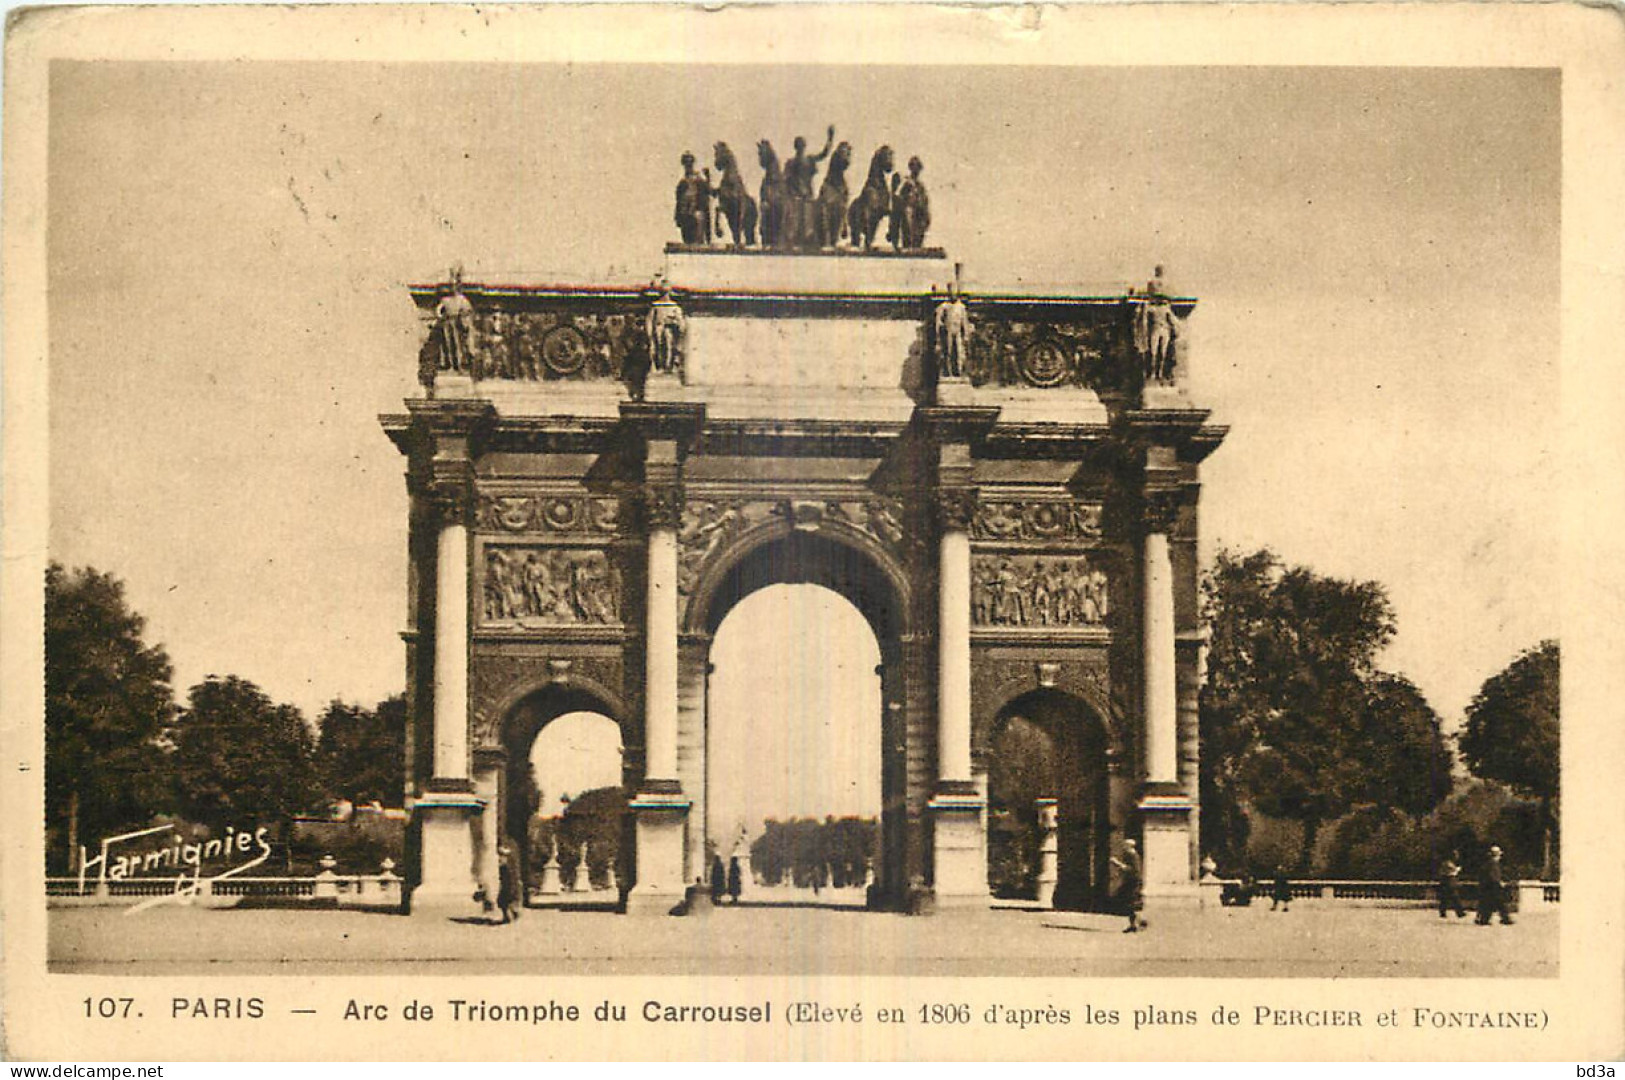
{"x": 1004, "y": 483}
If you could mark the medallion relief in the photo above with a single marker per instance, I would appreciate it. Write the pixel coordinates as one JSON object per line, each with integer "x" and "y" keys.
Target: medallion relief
{"x": 998, "y": 519}
{"x": 548, "y": 513}
{"x": 540, "y": 346}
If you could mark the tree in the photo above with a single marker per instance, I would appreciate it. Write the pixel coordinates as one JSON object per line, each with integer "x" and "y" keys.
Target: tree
{"x": 1407, "y": 758}
{"x": 240, "y": 759}
{"x": 1512, "y": 733}
{"x": 1295, "y": 718}
{"x": 361, "y": 753}
{"x": 107, "y": 701}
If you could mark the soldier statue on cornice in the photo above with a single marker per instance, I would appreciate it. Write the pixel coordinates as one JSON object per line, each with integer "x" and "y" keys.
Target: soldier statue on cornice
{"x": 952, "y": 326}
{"x": 667, "y": 327}
{"x": 454, "y": 327}
{"x": 1156, "y": 329}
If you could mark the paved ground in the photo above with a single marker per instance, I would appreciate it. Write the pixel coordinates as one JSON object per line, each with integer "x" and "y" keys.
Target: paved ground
{"x": 774, "y": 939}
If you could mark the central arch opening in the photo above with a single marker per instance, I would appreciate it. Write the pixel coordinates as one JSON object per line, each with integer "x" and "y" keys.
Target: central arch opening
{"x": 794, "y": 736}
{"x": 802, "y": 801}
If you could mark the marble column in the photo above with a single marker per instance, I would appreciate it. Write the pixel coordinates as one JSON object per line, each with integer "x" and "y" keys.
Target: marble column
{"x": 451, "y": 649}
{"x": 660, "y": 807}
{"x": 958, "y": 853}
{"x": 1161, "y": 699}
{"x": 1166, "y": 808}
{"x": 660, "y": 665}
{"x": 449, "y": 808}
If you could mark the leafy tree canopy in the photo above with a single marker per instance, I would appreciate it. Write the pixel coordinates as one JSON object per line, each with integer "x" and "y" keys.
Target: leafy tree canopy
{"x": 240, "y": 758}
{"x": 107, "y": 702}
{"x": 1295, "y": 717}
{"x": 1512, "y": 724}
{"x": 361, "y": 753}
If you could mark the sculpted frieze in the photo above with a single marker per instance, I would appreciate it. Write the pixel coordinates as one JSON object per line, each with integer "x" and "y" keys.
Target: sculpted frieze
{"x": 1038, "y": 591}
{"x": 1048, "y": 355}
{"x": 550, "y": 586}
{"x": 540, "y": 346}
{"x": 1003, "y": 519}
{"x": 548, "y": 513}
{"x": 708, "y": 524}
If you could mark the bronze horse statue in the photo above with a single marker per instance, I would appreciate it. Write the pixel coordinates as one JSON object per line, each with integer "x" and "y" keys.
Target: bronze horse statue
{"x": 733, "y": 201}
{"x": 873, "y": 202}
{"x": 829, "y": 215}
{"x": 772, "y": 197}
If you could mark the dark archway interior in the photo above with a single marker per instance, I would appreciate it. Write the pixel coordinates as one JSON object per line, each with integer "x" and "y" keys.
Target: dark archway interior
{"x": 1049, "y": 744}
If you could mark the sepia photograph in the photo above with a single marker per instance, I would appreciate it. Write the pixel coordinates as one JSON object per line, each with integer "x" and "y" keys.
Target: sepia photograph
{"x": 855, "y": 523}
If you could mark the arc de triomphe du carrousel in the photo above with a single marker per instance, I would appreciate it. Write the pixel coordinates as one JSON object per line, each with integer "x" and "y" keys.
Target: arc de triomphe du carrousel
{"x": 1004, "y": 483}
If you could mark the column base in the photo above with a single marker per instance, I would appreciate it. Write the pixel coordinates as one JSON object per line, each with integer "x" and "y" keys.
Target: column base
{"x": 446, "y": 879}
{"x": 957, "y": 853}
{"x": 662, "y": 825}
{"x": 1170, "y": 877}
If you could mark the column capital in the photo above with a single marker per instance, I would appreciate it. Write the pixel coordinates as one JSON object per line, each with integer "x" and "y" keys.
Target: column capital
{"x": 449, "y": 493}
{"x": 955, "y": 507}
{"x": 661, "y": 504}
{"x": 1162, "y": 506}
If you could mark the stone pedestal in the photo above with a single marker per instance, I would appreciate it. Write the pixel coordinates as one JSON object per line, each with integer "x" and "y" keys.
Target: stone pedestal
{"x": 551, "y": 885}
{"x": 1049, "y": 852}
{"x": 1166, "y": 850}
{"x": 662, "y": 820}
{"x": 583, "y": 878}
{"x": 960, "y": 878}
{"x": 447, "y": 883}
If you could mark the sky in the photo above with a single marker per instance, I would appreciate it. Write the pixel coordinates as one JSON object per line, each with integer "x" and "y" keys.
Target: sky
{"x": 1375, "y": 252}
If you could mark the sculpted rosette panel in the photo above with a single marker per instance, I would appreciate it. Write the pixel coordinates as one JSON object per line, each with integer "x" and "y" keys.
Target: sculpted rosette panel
{"x": 999, "y": 519}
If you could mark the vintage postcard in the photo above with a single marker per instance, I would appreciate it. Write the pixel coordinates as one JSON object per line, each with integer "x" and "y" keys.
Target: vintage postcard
{"x": 827, "y": 532}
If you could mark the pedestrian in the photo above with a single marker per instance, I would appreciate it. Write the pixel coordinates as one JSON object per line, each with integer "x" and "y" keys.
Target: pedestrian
{"x": 1130, "y": 894}
{"x": 507, "y": 884}
{"x": 736, "y": 881}
{"x": 1492, "y": 895}
{"x": 1449, "y": 895}
{"x": 1281, "y": 891}
{"x": 719, "y": 880}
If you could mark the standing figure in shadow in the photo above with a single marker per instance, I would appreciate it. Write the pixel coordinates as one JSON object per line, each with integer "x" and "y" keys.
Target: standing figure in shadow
{"x": 773, "y": 196}
{"x": 799, "y": 229}
{"x": 911, "y": 209}
{"x": 693, "y": 213}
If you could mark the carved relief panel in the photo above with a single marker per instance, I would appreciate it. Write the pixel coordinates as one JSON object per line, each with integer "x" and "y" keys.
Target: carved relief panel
{"x": 1044, "y": 520}
{"x": 1046, "y": 591}
{"x": 545, "y": 345}
{"x": 537, "y": 585}
{"x": 1046, "y": 355}
{"x": 709, "y": 524}
{"x": 555, "y": 513}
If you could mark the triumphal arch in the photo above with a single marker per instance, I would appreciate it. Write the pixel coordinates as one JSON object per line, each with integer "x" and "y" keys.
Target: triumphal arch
{"x": 1004, "y": 483}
